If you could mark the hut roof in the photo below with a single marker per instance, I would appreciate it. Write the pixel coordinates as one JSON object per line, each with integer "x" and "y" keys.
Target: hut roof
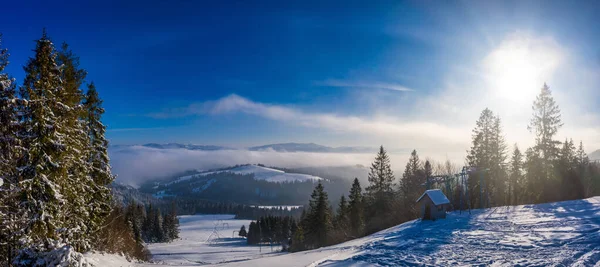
{"x": 436, "y": 196}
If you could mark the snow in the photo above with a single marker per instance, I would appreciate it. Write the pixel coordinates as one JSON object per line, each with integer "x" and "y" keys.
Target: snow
{"x": 260, "y": 173}
{"x": 107, "y": 260}
{"x": 269, "y": 174}
{"x": 285, "y": 207}
{"x": 204, "y": 186}
{"x": 194, "y": 247}
{"x": 554, "y": 234}
{"x": 436, "y": 196}
{"x": 161, "y": 194}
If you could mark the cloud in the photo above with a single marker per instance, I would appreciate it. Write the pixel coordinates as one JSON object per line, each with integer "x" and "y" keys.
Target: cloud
{"x": 423, "y": 133}
{"x": 137, "y": 164}
{"x": 364, "y": 85}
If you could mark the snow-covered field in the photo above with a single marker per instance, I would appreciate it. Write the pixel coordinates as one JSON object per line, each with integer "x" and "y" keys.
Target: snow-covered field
{"x": 553, "y": 234}
{"x": 199, "y": 245}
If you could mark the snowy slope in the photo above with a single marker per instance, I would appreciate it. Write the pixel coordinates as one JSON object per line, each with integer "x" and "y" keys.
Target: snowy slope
{"x": 197, "y": 247}
{"x": 260, "y": 173}
{"x": 555, "y": 234}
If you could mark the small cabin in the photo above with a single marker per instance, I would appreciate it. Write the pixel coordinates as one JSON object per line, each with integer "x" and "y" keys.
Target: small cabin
{"x": 433, "y": 205}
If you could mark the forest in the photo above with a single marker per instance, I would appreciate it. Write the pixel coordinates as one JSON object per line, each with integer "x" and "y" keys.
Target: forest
{"x": 55, "y": 200}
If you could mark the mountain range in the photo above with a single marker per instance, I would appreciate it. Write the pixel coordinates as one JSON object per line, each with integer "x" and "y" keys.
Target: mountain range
{"x": 281, "y": 147}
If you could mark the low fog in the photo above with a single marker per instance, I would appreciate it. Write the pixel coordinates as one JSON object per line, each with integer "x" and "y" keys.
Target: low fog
{"x": 134, "y": 165}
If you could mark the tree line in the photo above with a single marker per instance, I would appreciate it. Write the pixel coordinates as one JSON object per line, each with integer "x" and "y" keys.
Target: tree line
{"x": 190, "y": 206}
{"x": 270, "y": 229}
{"x": 54, "y": 166}
{"x": 549, "y": 171}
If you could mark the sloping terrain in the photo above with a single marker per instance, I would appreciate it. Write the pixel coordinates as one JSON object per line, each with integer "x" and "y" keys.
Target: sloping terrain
{"x": 554, "y": 234}
{"x": 267, "y": 174}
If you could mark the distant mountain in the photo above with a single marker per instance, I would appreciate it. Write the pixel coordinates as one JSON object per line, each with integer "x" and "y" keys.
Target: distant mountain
{"x": 310, "y": 147}
{"x": 595, "y": 155}
{"x": 186, "y": 146}
{"x": 247, "y": 184}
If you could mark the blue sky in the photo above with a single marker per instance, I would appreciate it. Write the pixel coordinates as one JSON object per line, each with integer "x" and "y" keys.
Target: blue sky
{"x": 412, "y": 74}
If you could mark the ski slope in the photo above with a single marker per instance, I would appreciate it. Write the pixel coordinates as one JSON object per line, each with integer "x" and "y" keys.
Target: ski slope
{"x": 554, "y": 234}
{"x": 200, "y": 245}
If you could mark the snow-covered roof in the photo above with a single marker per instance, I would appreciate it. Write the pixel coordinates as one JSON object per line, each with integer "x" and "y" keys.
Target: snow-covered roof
{"x": 436, "y": 196}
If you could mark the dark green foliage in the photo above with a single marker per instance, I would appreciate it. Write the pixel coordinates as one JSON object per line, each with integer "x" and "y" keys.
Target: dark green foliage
{"x": 411, "y": 186}
{"x": 270, "y": 229}
{"x": 379, "y": 198}
{"x": 356, "y": 210}
{"x": 242, "y": 231}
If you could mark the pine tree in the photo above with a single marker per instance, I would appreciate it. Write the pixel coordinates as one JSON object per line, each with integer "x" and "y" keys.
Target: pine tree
{"x": 97, "y": 158}
{"x": 242, "y": 231}
{"x": 79, "y": 186}
{"x": 545, "y": 124}
{"x": 487, "y": 155}
{"x": 571, "y": 182}
{"x": 380, "y": 192}
{"x": 516, "y": 186}
{"x": 9, "y": 151}
{"x": 583, "y": 170}
{"x": 342, "y": 219}
{"x": 318, "y": 219}
{"x": 411, "y": 186}
{"x": 40, "y": 170}
{"x": 356, "y": 209}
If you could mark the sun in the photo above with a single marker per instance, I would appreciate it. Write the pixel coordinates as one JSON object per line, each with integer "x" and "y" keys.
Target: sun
{"x": 518, "y": 67}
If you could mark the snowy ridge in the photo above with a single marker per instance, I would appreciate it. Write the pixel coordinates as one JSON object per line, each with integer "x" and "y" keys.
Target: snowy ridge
{"x": 260, "y": 173}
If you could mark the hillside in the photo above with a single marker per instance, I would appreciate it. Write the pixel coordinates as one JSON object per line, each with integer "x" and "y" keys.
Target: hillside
{"x": 595, "y": 155}
{"x": 245, "y": 184}
{"x": 264, "y": 173}
{"x": 554, "y": 234}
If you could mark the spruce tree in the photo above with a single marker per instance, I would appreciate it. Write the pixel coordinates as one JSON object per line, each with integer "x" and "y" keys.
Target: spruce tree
{"x": 356, "y": 209}
{"x": 411, "y": 186}
{"x": 380, "y": 192}
{"x": 545, "y": 123}
{"x": 318, "y": 225}
{"x": 516, "y": 186}
{"x": 487, "y": 156}
{"x": 79, "y": 190}
{"x": 342, "y": 219}
{"x": 242, "y": 231}
{"x": 571, "y": 182}
{"x": 41, "y": 173}
{"x": 9, "y": 152}
{"x": 97, "y": 158}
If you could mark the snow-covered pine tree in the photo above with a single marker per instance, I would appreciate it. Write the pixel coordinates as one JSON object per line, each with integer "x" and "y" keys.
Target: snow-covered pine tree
{"x": 9, "y": 152}
{"x": 42, "y": 174}
{"x": 98, "y": 159}
{"x": 79, "y": 223}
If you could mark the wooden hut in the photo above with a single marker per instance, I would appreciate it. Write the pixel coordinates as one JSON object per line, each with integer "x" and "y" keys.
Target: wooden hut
{"x": 433, "y": 205}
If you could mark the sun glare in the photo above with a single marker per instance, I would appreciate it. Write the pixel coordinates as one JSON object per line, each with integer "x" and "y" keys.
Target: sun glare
{"x": 518, "y": 68}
